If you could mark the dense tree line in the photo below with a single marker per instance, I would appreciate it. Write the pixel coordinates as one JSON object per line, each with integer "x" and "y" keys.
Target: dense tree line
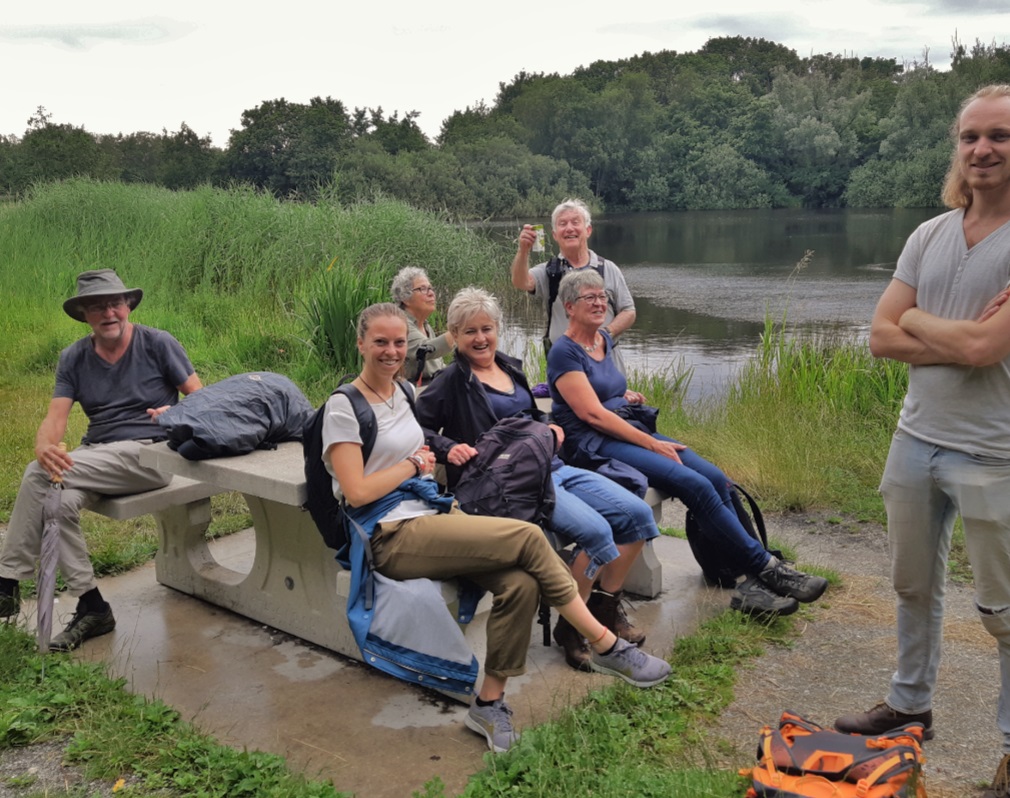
{"x": 741, "y": 123}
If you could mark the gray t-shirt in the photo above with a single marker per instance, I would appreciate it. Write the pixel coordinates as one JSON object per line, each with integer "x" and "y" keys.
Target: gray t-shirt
{"x": 963, "y": 408}
{"x": 116, "y": 396}
{"x": 613, "y": 283}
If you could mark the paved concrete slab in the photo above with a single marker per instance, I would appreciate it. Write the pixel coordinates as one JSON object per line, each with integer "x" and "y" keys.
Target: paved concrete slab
{"x": 332, "y": 717}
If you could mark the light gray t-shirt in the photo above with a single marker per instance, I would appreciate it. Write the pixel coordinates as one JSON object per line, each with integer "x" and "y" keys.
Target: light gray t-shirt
{"x": 963, "y": 408}
{"x": 398, "y": 435}
{"x": 116, "y": 396}
{"x": 613, "y": 283}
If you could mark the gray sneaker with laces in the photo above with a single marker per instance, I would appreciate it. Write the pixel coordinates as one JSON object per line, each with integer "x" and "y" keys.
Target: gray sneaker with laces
{"x": 495, "y": 723}
{"x": 630, "y": 663}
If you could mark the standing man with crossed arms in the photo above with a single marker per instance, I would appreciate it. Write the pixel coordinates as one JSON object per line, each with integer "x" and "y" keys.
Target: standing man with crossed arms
{"x": 945, "y": 314}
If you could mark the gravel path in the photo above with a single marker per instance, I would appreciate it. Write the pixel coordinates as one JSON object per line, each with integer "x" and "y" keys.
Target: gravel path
{"x": 843, "y": 658}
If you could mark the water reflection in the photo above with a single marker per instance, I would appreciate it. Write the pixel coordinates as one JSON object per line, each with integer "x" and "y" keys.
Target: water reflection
{"x": 705, "y": 281}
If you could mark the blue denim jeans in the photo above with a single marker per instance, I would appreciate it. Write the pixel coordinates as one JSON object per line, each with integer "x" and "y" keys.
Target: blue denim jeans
{"x": 704, "y": 490}
{"x": 598, "y": 515}
{"x": 924, "y": 487}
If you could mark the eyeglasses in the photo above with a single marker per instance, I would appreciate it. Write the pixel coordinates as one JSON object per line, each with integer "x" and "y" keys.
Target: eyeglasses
{"x": 592, "y": 298}
{"x": 101, "y": 307}
{"x": 423, "y": 289}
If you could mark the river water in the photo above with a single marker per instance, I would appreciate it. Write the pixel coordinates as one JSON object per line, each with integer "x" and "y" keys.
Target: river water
{"x": 704, "y": 281}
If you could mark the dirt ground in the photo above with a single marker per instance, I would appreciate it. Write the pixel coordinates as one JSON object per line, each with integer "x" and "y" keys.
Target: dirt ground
{"x": 843, "y": 658}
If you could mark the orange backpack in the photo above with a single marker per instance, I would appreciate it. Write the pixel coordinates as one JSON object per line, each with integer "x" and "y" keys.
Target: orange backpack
{"x": 803, "y": 760}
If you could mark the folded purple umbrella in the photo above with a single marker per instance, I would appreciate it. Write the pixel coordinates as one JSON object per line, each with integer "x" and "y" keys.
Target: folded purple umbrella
{"x": 48, "y": 560}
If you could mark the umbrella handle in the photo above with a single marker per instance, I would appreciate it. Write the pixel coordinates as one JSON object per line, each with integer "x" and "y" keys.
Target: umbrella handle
{"x": 62, "y": 446}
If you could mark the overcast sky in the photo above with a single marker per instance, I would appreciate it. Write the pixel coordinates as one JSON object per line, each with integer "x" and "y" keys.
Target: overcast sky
{"x": 116, "y": 66}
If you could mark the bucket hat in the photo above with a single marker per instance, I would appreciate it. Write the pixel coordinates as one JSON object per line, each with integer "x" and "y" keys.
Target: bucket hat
{"x": 98, "y": 283}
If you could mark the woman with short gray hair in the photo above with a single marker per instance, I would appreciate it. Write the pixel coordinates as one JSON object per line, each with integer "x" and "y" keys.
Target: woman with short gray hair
{"x": 413, "y": 292}
{"x": 604, "y": 420}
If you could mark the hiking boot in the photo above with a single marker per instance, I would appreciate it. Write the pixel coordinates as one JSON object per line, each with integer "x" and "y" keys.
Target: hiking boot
{"x": 787, "y": 581}
{"x": 608, "y": 609}
{"x": 495, "y": 723}
{"x": 630, "y": 663}
{"x": 1000, "y": 787}
{"x": 83, "y": 626}
{"x": 882, "y": 719}
{"x": 577, "y": 652}
{"x": 10, "y": 604}
{"x": 754, "y": 598}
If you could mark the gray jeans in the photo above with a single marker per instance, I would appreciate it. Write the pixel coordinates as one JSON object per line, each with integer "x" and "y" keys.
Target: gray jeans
{"x": 102, "y": 469}
{"x": 924, "y": 488}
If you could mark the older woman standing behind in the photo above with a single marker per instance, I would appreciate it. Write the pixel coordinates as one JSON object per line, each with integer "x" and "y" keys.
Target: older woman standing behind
{"x": 608, "y": 524}
{"x": 414, "y": 293}
{"x": 590, "y": 394}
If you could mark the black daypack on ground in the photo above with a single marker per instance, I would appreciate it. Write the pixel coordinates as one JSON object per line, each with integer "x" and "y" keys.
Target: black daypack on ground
{"x": 711, "y": 559}
{"x": 511, "y": 475}
{"x": 326, "y": 510}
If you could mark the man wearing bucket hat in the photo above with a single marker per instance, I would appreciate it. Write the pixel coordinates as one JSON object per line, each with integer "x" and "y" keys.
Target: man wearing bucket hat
{"x": 123, "y": 375}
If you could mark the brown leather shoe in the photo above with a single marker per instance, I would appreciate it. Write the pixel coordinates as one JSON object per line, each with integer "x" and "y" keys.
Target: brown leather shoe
{"x": 882, "y": 719}
{"x": 608, "y": 609}
{"x": 1000, "y": 787}
{"x": 577, "y": 653}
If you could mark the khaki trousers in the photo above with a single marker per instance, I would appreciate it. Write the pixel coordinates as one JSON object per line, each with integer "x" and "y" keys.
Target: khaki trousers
{"x": 111, "y": 469}
{"x": 511, "y": 559}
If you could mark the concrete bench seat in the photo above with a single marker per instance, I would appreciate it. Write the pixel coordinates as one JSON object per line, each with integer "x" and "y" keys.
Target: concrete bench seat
{"x": 294, "y": 583}
{"x": 180, "y": 491}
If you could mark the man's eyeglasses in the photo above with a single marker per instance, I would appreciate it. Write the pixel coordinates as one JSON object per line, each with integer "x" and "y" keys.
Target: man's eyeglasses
{"x": 592, "y": 298}
{"x": 108, "y": 304}
{"x": 423, "y": 289}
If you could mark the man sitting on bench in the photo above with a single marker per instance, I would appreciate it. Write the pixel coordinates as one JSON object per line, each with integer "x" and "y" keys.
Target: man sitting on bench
{"x": 124, "y": 375}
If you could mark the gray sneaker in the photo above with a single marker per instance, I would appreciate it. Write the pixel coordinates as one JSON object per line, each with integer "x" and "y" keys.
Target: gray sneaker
{"x": 495, "y": 723}
{"x": 10, "y": 605}
{"x": 631, "y": 664}
{"x": 83, "y": 626}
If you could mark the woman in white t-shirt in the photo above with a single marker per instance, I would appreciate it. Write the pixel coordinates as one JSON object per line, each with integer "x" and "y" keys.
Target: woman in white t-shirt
{"x": 414, "y": 538}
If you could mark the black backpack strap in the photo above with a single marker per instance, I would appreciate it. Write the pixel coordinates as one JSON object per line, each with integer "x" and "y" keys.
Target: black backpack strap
{"x": 365, "y": 416}
{"x": 555, "y": 271}
{"x": 757, "y": 529}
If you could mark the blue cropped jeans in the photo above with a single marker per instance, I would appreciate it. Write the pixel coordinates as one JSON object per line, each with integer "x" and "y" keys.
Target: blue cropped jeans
{"x": 924, "y": 487}
{"x": 597, "y": 514}
{"x": 704, "y": 489}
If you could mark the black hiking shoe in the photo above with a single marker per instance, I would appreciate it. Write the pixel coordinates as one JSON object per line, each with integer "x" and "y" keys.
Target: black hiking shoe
{"x": 883, "y": 719}
{"x": 787, "y": 581}
{"x": 83, "y": 626}
{"x": 753, "y": 597}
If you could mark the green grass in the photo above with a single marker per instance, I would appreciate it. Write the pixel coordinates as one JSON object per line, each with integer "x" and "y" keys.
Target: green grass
{"x": 115, "y": 734}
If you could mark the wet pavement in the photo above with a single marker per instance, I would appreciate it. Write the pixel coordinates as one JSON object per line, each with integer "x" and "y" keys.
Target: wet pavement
{"x": 332, "y": 717}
